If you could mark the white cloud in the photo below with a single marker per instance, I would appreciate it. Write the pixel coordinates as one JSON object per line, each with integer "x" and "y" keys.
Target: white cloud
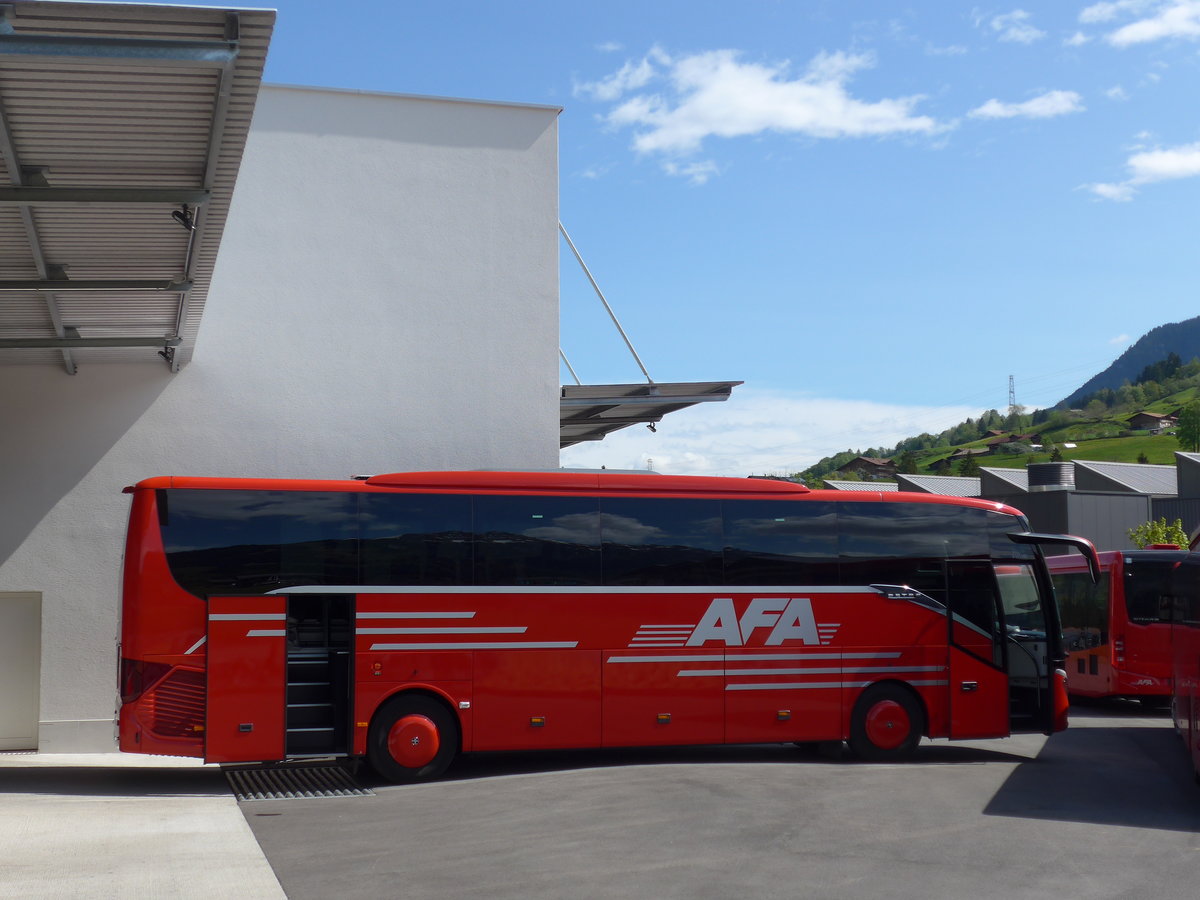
{"x": 1150, "y": 166}
{"x": 1116, "y": 92}
{"x": 1162, "y": 20}
{"x": 1048, "y": 105}
{"x": 951, "y": 50}
{"x": 1106, "y": 12}
{"x": 608, "y": 47}
{"x": 1119, "y": 339}
{"x": 761, "y": 432}
{"x": 596, "y": 172}
{"x": 1078, "y": 39}
{"x": 1015, "y": 27}
{"x": 717, "y": 94}
{"x": 697, "y": 172}
{"x": 1120, "y": 193}
{"x": 629, "y": 77}
{"x": 1161, "y": 165}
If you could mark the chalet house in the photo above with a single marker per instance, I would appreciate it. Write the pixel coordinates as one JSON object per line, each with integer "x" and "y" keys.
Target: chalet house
{"x": 1154, "y": 422}
{"x": 1001, "y": 439}
{"x": 870, "y": 467}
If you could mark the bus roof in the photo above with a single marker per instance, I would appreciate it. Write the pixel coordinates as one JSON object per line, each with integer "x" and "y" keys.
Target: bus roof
{"x": 626, "y": 483}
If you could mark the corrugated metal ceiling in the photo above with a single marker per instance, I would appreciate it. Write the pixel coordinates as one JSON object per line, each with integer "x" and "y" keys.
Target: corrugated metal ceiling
{"x": 112, "y": 118}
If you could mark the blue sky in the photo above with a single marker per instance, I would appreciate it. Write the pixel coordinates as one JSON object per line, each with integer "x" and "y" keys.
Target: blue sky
{"x": 872, "y": 213}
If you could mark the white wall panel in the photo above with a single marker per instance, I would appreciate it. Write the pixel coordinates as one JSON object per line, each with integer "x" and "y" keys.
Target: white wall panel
{"x": 386, "y": 299}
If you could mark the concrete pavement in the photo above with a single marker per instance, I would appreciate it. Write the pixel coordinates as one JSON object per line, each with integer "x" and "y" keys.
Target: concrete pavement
{"x": 111, "y": 825}
{"x": 1106, "y": 810}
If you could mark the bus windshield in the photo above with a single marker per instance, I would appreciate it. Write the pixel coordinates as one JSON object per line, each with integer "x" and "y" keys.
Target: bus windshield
{"x": 1021, "y": 601}
{"x": 1149, "y": 588}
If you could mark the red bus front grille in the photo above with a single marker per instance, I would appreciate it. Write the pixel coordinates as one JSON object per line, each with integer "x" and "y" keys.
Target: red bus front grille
{"x": 176, "y": 705}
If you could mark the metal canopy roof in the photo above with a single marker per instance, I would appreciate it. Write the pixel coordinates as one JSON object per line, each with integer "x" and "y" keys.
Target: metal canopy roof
{"x": 590, "y": 412}
{"x": 121, "y": 131}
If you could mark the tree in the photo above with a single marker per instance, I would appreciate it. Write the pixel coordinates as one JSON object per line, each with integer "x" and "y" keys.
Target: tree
{"x": 968, "y": 467}
{"x": 906, "y": 463}
{"x": 1187, "y": 432}
{"x": 1159, "y": 533}
{"x": 1143, "y": 458}
{"x": 1057, "y": 455}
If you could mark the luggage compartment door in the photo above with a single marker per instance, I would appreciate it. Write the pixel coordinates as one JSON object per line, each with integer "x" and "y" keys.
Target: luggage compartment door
{"x": 247, "y": 679}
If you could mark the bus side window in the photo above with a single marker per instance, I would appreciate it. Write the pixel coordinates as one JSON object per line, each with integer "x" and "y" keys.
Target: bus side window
{"x": 661, "y": 541}
{"x": 537, "y": 540}
{"x": 770, "y": 542}
{"x": 907, "y": 543}
{"x": 413, "y": 539}
{"x": 252, "y": 542}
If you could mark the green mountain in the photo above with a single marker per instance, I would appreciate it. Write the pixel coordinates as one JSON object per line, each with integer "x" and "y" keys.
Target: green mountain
{"x": 1180, "y": 338}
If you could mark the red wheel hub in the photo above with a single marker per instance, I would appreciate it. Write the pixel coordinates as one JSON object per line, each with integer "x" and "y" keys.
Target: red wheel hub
{"x": 413, "y": 741}
{"x": 888, "y": 724}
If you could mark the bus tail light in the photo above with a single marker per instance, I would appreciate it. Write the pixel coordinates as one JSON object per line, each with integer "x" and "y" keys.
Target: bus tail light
{"x": 1119, "y": 649}
{"x": 1062, "y": 702}
{"x": 137, "y": 675}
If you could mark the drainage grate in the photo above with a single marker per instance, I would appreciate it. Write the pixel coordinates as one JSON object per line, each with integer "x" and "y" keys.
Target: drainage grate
{"x": 293, "y": 783}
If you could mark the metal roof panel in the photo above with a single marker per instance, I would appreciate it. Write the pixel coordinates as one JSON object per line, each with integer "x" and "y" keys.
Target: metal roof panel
{"x": 94, "y": 111}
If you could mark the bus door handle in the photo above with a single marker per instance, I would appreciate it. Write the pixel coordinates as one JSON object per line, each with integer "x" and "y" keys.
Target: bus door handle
{"x": 969, "y": 687}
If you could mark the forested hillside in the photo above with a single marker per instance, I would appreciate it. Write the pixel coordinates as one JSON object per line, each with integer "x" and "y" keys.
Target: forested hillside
{"x": 1098, "y": 427}
{"x": 1179, "y": 338}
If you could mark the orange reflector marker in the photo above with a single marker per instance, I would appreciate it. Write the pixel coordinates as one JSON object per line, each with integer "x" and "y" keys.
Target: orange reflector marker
{"x": 783, "y": 715}
{"x": 362, "y": 724}
{"x": 664, "y": 718}
{"x": 537, "y": 721}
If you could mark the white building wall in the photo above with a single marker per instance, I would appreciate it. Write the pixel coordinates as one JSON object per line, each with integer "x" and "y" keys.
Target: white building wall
{"x": 385, "y": 299}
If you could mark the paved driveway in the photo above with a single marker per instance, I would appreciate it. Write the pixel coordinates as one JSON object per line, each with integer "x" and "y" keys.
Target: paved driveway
{"x": 1107, "y": 809}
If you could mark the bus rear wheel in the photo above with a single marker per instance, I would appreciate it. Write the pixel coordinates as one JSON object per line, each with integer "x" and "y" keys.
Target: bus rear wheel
{"x": 412, "y": 738}
{"x": 887, "y": 723}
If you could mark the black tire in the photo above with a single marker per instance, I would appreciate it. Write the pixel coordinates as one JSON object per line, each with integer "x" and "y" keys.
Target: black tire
{"x": 412, "y": 737}
{"x": 1156, "y": 704}
{"x": 886, "y": 724}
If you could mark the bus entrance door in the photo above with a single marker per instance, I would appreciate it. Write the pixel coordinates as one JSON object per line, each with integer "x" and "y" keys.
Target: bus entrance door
{"x": 978, "y": 700}
{"x": 247, "y": 660}
{"x": 978, "y": 697}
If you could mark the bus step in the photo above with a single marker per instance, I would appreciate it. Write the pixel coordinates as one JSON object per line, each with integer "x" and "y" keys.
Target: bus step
{"x": 308, "y": 715}
{"x": 292, "y": 782}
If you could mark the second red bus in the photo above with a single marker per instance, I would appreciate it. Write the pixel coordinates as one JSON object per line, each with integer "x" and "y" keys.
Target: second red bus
{"x": 1117, "y": 631}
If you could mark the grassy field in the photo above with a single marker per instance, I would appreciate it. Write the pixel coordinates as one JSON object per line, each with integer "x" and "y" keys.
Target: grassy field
{"x": 1158, "y": 448}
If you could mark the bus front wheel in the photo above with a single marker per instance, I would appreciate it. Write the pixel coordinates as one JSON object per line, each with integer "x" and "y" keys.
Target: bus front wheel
{"x": 412, "y": 738}
{"x": 886, "y": 724}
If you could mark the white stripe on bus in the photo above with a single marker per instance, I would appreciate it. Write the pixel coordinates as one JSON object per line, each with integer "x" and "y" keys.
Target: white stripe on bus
{"x": 809, "y": 685}
{"x": 481, "y": 645}
{"x": 573, "y": 589}
{"x": 415, "y": 615}
{"x": 498, "y": 629}
{"x": 755, "y": 657}
{"x": 814, "y": 671}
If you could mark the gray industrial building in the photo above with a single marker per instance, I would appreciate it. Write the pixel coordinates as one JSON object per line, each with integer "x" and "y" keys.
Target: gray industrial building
{"x": 1101, "y": 501}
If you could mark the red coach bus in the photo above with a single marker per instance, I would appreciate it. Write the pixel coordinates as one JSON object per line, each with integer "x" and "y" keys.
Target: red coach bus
{"x": 1117, "y": 631}
{"x": 406, "y": 618}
